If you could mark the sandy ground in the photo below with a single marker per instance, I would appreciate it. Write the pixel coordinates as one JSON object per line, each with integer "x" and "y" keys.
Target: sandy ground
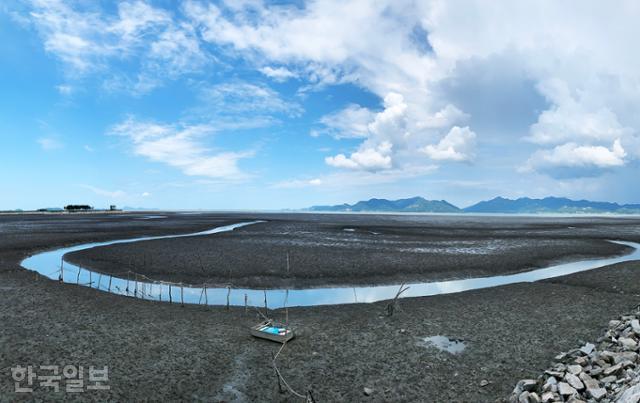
{"x": 157, "y": 351}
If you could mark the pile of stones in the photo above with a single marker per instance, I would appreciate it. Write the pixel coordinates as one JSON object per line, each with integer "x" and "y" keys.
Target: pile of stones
{"x": 607, "y": 371}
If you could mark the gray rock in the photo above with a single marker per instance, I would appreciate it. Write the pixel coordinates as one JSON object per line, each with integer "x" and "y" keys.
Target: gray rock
{"x": 614, "y": 323}
{"x": 588, "y": 381}
{"x": 484, "y": 383}
{"x": 587, "y": 348}
{"x": 548, "y": 397}
{"x": 596, "y": 393}
{"x": 528, "y": 384}
{"x": 631, "y": 395}
{"x": 368, "y": 391}
{"x": 534, "y": 398}
{"x": 628, "y": 343}
{"x": 625, "y": 356}
{"x": 565, "y": 389}
{"x": 608, "y": 379}
{"x": 524, "y": 397}
{"x": 556, "y": 374}
{"x": 574, "y": 381}
{"x": 612, "y": 370}
{"x": 595, "y": 371}
{"x": 574, "y": 369}
{"x": 635, "y": 325}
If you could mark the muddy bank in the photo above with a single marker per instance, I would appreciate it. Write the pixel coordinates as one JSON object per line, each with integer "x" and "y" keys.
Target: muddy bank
{"x": 165, "y": 352}
{"x": 298, "y": 251}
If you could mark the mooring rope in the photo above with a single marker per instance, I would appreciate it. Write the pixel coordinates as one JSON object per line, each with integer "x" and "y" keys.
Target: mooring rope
{"x": 282, "y": 378}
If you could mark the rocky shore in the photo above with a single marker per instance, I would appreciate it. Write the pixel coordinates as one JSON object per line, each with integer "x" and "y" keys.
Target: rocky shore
{"x": 607, "y": 371}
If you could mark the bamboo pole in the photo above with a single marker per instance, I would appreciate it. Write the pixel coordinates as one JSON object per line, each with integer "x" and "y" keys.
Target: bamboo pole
{"x": 266, "y": 309}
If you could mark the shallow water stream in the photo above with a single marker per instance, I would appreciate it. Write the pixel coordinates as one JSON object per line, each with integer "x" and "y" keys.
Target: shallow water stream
{"x": 48, "y": 264}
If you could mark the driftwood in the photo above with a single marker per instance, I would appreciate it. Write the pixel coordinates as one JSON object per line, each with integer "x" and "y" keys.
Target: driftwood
{"x": 393, "y": 305}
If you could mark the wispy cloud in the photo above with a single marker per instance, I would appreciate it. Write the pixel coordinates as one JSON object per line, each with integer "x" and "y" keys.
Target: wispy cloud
{"x": 279, "y": 74}
{"x": 181, "y": 146}
{"x": 87, "y": 39}
{"x": 242, "y": 97}
{"x": 49, "y": 143}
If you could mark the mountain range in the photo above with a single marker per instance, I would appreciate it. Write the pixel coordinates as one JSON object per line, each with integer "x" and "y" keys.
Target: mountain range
{"x": 497, "y": 205}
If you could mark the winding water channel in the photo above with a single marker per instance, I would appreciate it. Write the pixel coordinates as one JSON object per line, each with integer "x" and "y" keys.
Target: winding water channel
{"x": 48, "y": 264}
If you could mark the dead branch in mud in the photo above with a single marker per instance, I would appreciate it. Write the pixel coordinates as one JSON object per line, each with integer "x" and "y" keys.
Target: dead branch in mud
{"x": 393, "y": 305}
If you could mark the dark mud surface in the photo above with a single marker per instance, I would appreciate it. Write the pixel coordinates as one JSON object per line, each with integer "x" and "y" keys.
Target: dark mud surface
{"x": 360, "y": 250}
{"x": 161, "y": 352}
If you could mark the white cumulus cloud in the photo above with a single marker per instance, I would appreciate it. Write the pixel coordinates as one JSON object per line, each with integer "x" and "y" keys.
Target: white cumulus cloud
{"x": 572, "y": 155}
{"x": 457, "y": 145}
{"x": 366, "y": 158}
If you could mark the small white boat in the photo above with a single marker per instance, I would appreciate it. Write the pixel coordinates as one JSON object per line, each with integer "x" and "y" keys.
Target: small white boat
{"x": 271, "y": 331}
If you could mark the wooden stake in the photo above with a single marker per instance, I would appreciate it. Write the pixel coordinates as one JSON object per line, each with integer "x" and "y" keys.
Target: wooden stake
{"x": 170, "y": 299}
{"x": 228, "y": 295}
{"x": 286, "y": 308}
{"x": 181, "y": 295}
{"x": 99, "y": 279}
{"x": 61, "y": 278}
{"x": 206, "y": 298}
{"x": 280, "y": 388}
{"x": 266, "y": 310}
{"x": 110, "y": 278}
{"x": 78, "y": 278}
{"x": 246, "y": 303}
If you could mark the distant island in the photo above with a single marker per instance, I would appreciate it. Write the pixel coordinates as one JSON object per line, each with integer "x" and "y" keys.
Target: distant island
{"x": 525, "y": 205}
{"x": 498, "y": 205}
{"x": 413, "y": 205}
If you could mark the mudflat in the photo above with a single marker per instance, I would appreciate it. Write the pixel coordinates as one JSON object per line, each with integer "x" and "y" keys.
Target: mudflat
{"x": 309, "y": 250}
{"x": 158, "y": 351}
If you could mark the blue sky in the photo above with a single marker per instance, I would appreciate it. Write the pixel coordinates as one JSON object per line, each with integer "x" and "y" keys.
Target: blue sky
{"x": 269, "y": 105}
